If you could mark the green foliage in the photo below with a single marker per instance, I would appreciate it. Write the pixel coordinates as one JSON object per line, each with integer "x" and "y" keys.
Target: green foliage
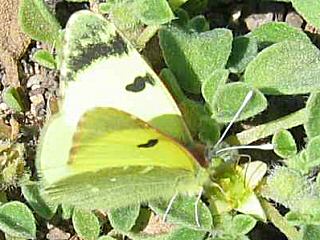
{"x": 123, "y": 219}
{"x": 38, "y": 22}
{"x": 189, "y": 55}
{"x": 86, "y": 224}
{"x": 312, "y": 125}
{"x": 309, "y": 9}
{"x": 229, "y": 98}
{"x": 45, "y": 59}
{"x": 15, "y": 99}
{"x": 17, "y": 220}
{"x": 32, "y": 194}
{"x": 182, "y": 212}
{"x": 274, "y": 32}
{"x": 244, "y": 50}
{"x": 288, "y": 67}
{"x": 284, "y": 144}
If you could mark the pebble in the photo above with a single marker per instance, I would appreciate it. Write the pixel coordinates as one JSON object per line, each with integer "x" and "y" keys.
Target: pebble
{"x": 294, "y": 20}
{"x": 57, "y": 234}
{"x": 34, "y": 80}
{"x": 255, "y": 20}
{"x": 37, "y": 103}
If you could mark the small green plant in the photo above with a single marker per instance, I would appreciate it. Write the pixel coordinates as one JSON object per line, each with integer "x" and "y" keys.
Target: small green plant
{"x": 90, "y": 153}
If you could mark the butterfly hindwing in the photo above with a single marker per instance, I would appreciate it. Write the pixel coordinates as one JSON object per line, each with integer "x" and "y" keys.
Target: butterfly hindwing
{"x": 115, "y": 160}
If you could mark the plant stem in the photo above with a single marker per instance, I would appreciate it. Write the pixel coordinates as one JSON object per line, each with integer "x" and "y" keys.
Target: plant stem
{"x": 264, "y": 130}
{"x": 279, "y": 221}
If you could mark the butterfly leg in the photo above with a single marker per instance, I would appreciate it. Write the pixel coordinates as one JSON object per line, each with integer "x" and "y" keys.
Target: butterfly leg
{"x": 196, "y": 210}
{"x": 169, "y": 207}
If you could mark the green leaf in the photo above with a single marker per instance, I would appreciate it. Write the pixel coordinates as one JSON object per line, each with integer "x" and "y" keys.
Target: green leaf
{"x": 67, "y": 211}
{"x": 38, "y": 22}
{"x": 123, "y": 219}
{"x": 229, "y": 98}
{"x": 154, "y": 12}
{"x": 286, "y": 186}
{"x": 288, "y": 67}
{"x": 45, "y": 59}
{"x": 197, "y": 118}
{"x": 17, "y": 220}
{"x": 311, "y": 232}
{"x": 284, "y": 144}
{"x": 15, "y": 99}
{"x": 312, "y": 125}
{"x": 106, "y": 238}
{"x": 176, "y": 3}
{"x": 313, "y": 153}
{"x": 199, "y": 24}
{"x": 274, "y": 32}
{"x": 209, "y": 87}
{"x": 190, "y": 55}
{"x": 297, "y": 218}
{"x": 38, "y": 203}
{"x": 86, "y": 224}
{"x": 244, "y": 50}
{"x": 242, "y": 224}
{"x": 178, "y": 233}
{"x": 182, "y": 212}
{"x": 309, "y": 10}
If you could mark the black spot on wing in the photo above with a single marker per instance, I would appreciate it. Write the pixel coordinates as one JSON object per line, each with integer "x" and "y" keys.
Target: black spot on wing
{"x": 150, "y": 143}
{"x": 139, "y": 83}
{"x": 93, "y": 51}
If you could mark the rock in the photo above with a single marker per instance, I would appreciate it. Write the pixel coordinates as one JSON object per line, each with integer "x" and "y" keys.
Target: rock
{"x": 294, "y": 20}
{"x": 57, "y": 234}
{"x": 255, "y": 20}
{"x": 37, "y": 103}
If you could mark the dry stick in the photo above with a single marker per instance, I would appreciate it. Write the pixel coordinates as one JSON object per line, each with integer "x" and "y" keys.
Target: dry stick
{"x": 264, "y": 130}
{"x": 279, "y": 221}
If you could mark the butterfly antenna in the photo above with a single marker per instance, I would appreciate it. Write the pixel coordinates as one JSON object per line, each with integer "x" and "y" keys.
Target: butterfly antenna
{"x": 236, "y": 116}
{"x": 196, "y": 209}
{"x": 165, "y": 215}
{"x": 266, "y": 146}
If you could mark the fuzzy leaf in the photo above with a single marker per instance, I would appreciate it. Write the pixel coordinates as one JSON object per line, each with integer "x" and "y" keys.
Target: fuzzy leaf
{"x": 67, "y": 211}
{"x": 312, "y": 125}
{"x": 86, "y": 224}
{"x": 17, "y": 220}
{"x": 38, "y": 22}
{"x": 229, "y": 98}
{"x": 288, "y": 67}
{"x": 182, "y": 212}
{"x": 38, "y": 203}
{"x": 313, "y": 153}
{"x": 154, "y": 12}
{"x": 178, "y": 233}
{"x": 242, "y": 224}
{"x": 15, "y": 99}
{"x": 192, "y": 57}
{"x": 284, "y": 144}
{"x": 244, "y": 50}
{"x": 274, "y": 32}
{"x": 123, "y": 219}
{"x": 309, "y": 10}
{"x": 209, "y": 87}
{"x": 106, "y": 238}
{"x": 199, "y": 24}
{"x": 311, "y": 232}
{"x": 45, "y": 59}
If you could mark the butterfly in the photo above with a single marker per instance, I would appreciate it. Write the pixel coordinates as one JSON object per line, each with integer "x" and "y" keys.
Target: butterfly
{"x": 119, "y": 137}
